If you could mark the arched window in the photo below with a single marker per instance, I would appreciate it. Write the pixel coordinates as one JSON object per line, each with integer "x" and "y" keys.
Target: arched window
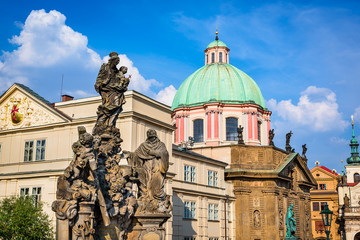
{"x": 198, "y": 130}
{"x": 356, "y": 178}
{"x": 259, "y": 130}
{"x": 212, "y": 57}
{"x": 226, "y": 58}
{"x": 207, "y": 59}
{"x": 231, "y": 129}
{"x": 220, "y": 57}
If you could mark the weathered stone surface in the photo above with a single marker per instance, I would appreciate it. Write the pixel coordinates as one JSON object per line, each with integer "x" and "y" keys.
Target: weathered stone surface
{"x": 95, "y": 197}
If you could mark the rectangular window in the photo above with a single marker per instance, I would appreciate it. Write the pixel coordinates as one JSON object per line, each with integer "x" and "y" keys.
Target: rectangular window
{"x": 36, "y": 193}
{"x": 212, "y": 178}
{"x": 323, "y": 204}
{"x": 189, "y": 238}
{"x": 316, "y": 206}
{"x": 192, "y": 174}
{"x": 40, "y": 150}
{"x": 189, "y": 210}
{"x": 24, "y": 192}
{"x": 213, "y": 212}
{"x": 189, "y": 173}
{"x": 213, "y": 238}
{"x": 220, "y": 57}
{"x": 212, "y": 57}
{"x": 186, "y": 173}
{"x": 315, "y": 188}
{"x": 28, "y": 152}
{"x": 322, "y": 186}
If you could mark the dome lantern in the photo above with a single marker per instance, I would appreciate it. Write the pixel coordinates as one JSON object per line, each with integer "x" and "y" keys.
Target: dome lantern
{"x": 216, "y": 51}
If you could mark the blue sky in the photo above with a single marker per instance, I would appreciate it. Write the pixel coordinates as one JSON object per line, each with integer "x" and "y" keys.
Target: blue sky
{"x": 304, "y": 55}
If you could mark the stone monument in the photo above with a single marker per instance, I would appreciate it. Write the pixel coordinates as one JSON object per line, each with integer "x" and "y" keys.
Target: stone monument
{"x": 240, "y": 131}
{"x": 290, "y": 224}
{"x": 288, "y": 147}
{"x": 271, "y": 137}
{"x": 95, "y": 197}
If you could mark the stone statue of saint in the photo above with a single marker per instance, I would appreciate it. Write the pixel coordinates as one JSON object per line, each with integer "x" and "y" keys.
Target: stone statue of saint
{"x": 240, "y": 131}
{"x": 271, "y": 137}
{"x": 257, "y": 222}
{"x": 290, "y": 223}
{"x": 346, "y": 203}
{"x": 288, "y": 148}
{"x": 111, "y": 85}
{"x": 304, "y": 151}
{"x": 150, "y": 162}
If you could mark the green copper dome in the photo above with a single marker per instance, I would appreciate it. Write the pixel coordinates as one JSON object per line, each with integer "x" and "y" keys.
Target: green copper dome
{"x": 218, "y": 82}
{"x": 216, "y": 43}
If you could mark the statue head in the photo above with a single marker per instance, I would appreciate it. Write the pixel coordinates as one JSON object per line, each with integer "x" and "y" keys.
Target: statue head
{"x": 86, "y": 139}
{"x": 114, "y": 58}
{"x": 151, "y": 135}
{"x": 123, "y": 69}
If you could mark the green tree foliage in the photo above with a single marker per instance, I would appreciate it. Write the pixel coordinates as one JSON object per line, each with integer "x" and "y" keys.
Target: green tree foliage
{"x": 21, "y": 218}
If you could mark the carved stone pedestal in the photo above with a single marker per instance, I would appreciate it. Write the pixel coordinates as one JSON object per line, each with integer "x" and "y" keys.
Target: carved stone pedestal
{"x": 149, "y": 226}
{"x": 84, "y": 226}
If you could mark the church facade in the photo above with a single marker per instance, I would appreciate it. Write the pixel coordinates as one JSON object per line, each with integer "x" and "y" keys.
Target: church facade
{"x": 221, "y": 110}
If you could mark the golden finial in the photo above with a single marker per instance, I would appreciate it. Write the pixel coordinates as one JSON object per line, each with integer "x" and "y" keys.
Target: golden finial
{"x": 352, "y": 120}
{"x": 216, "y": 38}
{"x": 317, "y": 163}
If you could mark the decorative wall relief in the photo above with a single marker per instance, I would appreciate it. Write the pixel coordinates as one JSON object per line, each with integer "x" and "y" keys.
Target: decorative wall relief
{"x": 257, "y": 219}
{"x": 20, "y": 111}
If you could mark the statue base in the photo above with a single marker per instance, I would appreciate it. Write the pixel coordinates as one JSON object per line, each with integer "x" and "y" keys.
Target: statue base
{"x": 291, "y": 238}
{"x": 145, "y": 226}
{"x": 241, "y": 142}
{"x": 149, "y": 226}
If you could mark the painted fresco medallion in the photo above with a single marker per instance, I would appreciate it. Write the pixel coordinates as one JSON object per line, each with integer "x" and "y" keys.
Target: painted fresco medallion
{"x": 16, "y": 116}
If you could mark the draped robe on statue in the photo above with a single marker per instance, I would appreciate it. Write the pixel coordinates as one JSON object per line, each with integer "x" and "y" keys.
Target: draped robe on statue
{"x": 151, "y": 161}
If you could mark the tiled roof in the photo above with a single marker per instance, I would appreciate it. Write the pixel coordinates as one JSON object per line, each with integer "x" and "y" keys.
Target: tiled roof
{"x": 328, "y": 170}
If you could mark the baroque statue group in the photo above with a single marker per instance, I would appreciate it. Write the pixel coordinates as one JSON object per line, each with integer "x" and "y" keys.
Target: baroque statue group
{"x": 97, "y": 197}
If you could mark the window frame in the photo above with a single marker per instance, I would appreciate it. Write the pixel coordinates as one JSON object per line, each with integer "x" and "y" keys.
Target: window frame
{"x": 322, "y": 205}
{"x": 213, "y": 178}
{"x": 356, "y": 177}
{"x": 189, "y": 173}
{"x": 198, "y": 138}
{"x": 231, "y": 135}
{"x": 36, "y": 192}
{"x": 322, "y": 186}
{"x": 316, "y": 206}
{"x": 220, "y": 57}
{"x": 189, "y": 210}
{"x": 35, "y": 150}
{"x": 212, "y": 57}
{"x": 259, "y": 123}
{"x": 213, "y": 212}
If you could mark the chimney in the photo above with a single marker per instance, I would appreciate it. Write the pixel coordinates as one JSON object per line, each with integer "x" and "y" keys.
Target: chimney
{"x": 66, "y": 98}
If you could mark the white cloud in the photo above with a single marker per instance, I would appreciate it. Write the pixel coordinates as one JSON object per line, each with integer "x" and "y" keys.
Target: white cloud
{"x": 48, "y": 48}
{"x": 166, "y": 95}
{"x": 316, "y": 110}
